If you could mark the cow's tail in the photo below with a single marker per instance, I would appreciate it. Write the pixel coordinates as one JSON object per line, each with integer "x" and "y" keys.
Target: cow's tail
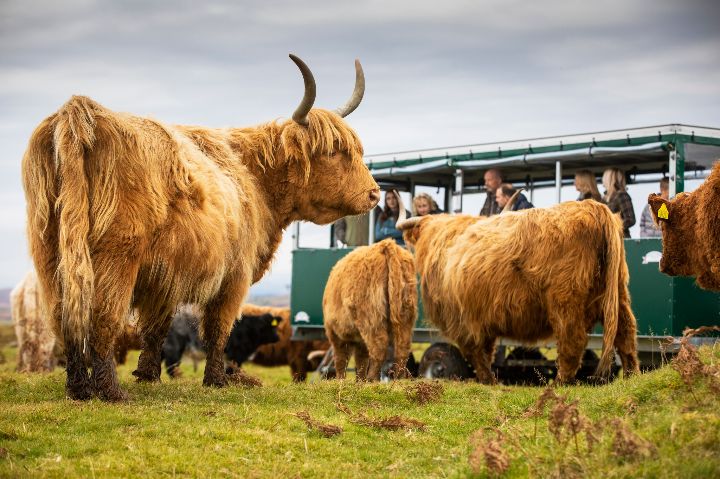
{"x": 56, "y": 187}
{"x": 614, "y": 263}
{"x": 395, "y": 283}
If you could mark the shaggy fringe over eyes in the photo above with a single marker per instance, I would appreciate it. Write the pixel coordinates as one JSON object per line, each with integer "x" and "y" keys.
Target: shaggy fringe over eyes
{"x": 325, "y": 134}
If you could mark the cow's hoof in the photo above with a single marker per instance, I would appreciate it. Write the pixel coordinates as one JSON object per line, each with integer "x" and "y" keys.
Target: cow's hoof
{"x": 113, "y": 395}
{"x": 219, "y": 381}
{"x": 146, "y": 377}
{"x": 78, "y": 388}
{"x": 78, "y": 394}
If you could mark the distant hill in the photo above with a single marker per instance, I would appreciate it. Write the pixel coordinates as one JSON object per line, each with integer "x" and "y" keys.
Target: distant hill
{"x": 5, "y": 296}
{"x": 5, "y": 304}
{"x": 278, "y": 301}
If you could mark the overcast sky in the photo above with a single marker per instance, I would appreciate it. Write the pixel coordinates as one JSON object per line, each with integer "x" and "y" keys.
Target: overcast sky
{"x": 438, "y": 74}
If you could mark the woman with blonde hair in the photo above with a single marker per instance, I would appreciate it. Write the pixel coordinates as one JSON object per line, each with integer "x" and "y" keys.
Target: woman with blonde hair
{"x": 586, "y": 185}
{"x": 617, "y": 198}
{"x": 424, "y": 204}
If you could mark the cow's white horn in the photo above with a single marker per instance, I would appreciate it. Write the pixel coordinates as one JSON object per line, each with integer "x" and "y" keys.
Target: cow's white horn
{"x": 511, "y": 201}
{"x": 408, "y": 223}
{"x": 402, "y": 212}
{"x": 357, "y": 94}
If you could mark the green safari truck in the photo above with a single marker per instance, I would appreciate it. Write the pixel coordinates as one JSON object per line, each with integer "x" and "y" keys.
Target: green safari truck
{"x": 664, "y": 305}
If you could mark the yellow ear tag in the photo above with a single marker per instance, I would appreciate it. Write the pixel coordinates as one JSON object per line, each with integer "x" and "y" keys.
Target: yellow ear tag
{"x": 663, "y": 212}
{"x": 274, "y": 321}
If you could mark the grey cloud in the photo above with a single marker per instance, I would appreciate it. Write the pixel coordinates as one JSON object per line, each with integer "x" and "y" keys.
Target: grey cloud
{"x": 437, "y": 74}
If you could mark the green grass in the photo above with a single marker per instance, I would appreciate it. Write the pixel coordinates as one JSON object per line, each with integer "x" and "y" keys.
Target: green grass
{"x": 179, "y": 428}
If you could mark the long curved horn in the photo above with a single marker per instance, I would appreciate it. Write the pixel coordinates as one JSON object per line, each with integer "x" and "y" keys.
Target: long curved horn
{"x": 408, "y": 223}
{"x": 509, "y": 204}
{"x": 300, "y": 115}
{"x": 357, "y": 94}
{"x": 402, "y": 212}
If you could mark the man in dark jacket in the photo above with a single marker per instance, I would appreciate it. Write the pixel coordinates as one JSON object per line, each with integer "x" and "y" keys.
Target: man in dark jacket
{"x": 505, "y": 193}
{"x": 493, "y": 180}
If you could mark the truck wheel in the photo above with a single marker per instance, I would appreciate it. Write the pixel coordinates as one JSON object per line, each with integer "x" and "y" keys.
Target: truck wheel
{"x": 525, "y": 365}
{"x": 443, "y": 360}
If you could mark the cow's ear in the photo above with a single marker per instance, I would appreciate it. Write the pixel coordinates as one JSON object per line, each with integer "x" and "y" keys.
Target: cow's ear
{"x": 660, "y": 208}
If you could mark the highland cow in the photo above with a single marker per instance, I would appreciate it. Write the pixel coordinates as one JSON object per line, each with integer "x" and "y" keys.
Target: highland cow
{"x": 690, "y": 225}
{"x": 527, "y": 275}
{"x": 35, "y": 338}
{"x": 295, "y": 354}
{"x": 127, "y": 211}
{"x": 370, "y": 300}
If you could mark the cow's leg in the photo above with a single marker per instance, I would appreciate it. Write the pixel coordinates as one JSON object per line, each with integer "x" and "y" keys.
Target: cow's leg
{"x": 377, "y": 348}
{"x": 104, "y": 375}
{"x": 571, "y": 343}
{"x": 481, "y": 355}
{"x": 220, "y": 314}
{"x": 402, "y": 343}
{"x": 361, "y": 362}
{"x": 299, "y": 365}
{"x": 113, "y": 292}
{"x": 77, "y": 384}
{"x": 626, "y": 340}
{"x": 153, "y": 324}
{"x": 341, "y": 353}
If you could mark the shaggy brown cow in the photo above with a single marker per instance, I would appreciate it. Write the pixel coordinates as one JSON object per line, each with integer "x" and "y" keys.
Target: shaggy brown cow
{"x": 285, "y": 352}
{"x": 371, "y": 297}
{"x": 527, "y": 275}
{"x": 36, "y": 341}
{"x": 127, "y": 210}
{"x": 690, "y": 226}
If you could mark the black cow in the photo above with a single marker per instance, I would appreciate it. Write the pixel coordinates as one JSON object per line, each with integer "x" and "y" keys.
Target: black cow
{"x": 248, "y": 333}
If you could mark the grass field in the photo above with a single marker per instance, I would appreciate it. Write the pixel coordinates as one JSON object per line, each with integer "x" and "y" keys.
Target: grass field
{"x": 652, "y": 425}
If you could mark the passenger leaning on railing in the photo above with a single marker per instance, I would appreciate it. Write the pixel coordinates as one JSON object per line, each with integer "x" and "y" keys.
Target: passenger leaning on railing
{"x": 617, "y": 198}
{"x": 587, "y": 187}
{"x": 385, "y": 223}
{"x": 424, "y": 204}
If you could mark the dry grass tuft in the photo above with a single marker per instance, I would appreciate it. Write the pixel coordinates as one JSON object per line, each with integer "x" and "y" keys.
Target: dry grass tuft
{"x": 343, "y": 408}
{"x": 327, "y": 430}
{"x": 689, "y": 365}
{"x": 392, "y": 423}
{"x": 488, "y": 452}
{"x": 244, "y": 379}
{"x": 628, "y": 445}
{"x": 425, "y": 392}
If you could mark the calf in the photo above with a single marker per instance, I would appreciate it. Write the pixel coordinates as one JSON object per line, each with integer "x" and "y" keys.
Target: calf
{"x": 295, "y": 354}
{"x": 690, "y": 225}
{"x": 247, "y": 334}
{"x": 370, "y": 299}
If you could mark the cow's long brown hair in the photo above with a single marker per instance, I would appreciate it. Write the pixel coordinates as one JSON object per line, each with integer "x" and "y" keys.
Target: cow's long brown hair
{"x": 127, "y": 210}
